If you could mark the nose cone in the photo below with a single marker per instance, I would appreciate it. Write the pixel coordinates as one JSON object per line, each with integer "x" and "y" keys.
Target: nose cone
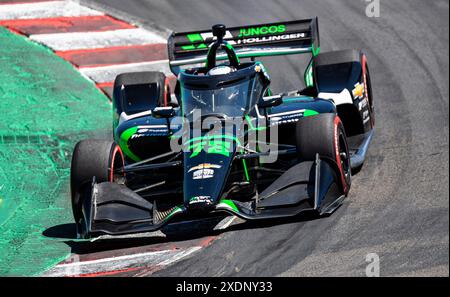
{"x": 205, "y": 174}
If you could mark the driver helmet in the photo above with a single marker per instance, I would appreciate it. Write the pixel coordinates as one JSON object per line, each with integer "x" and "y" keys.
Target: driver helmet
{"x": 221, "y": 70}
{"x": 229, "y": 95}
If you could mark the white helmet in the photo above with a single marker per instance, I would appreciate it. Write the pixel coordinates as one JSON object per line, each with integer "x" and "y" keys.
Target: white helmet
{"x": 221, "y": 70}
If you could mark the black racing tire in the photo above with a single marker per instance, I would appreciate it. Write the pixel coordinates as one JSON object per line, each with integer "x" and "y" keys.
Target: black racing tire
{"x": 92, "y": 157}
{"x": 324, "y": 134}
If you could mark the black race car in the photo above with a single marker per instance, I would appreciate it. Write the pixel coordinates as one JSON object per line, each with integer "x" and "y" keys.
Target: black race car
{"x": 222, "y": 143}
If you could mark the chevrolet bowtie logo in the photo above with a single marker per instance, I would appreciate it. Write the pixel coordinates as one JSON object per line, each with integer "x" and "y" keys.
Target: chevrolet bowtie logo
{"x": 358, "y": 91}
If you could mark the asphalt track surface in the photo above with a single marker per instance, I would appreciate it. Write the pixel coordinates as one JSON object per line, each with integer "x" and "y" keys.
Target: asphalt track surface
{"x": 398, "y": 206}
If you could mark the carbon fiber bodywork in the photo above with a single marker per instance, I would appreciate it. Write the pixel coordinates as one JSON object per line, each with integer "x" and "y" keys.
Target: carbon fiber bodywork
{"x": 220, "y": 173}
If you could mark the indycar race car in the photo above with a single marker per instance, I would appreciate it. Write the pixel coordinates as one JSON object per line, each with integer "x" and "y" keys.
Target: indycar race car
{"x": 222, "y": 143}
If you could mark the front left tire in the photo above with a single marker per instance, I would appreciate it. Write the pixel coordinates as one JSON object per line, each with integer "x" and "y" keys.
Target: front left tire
{"x": 91, "y": 158}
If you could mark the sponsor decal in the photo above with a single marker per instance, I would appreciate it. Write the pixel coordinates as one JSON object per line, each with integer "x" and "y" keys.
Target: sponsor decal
{"x": 290, "y": 117}
{"x": 263, "y": 30}
{"x": 200, "y": 199}
{"x": 212, "y": 146}
{"x": 203, "y": 174}
{"x": 366, "y": 97}
{"x": 205, "y": 166}
{"x": 358, "y": 91}
{"x": 150, "y": 132}
{"x": 271, "y": 38}
{"x": 362, "y": 104}
{"x": 281, "y": 122}
{"x": 249, "y": 36}
{"x": 203, "y": 39}
{"x": 193, "y": 38}
{"x": 366, "y": 117}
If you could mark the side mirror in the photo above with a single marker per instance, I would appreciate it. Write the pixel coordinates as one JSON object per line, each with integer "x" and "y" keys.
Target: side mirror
{"x": 270, "y": 101}
{"x": 164, "y": 112}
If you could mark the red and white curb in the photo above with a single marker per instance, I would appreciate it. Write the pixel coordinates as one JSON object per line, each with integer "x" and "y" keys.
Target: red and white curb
{"x": 143, "y": 263}
{"x": 100, "y": 46}
{"x": 142, "y": 260}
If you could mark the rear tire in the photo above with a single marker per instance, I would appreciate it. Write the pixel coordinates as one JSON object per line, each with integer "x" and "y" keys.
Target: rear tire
{"x": 324, "y": 134}
{"x": 143, "y": 79}
{"x": 91, "y": 157}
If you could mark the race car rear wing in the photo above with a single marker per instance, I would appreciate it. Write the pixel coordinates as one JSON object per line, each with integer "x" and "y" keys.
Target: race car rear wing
{"x": 284, "y": 38}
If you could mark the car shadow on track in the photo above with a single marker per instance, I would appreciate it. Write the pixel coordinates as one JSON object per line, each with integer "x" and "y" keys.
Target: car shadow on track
{"x": 177, "y": 234}
{"x": 67, "y": 234}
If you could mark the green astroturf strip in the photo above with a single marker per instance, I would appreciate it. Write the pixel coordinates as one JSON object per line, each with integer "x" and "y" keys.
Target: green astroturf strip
{"x": 46, "y": 107}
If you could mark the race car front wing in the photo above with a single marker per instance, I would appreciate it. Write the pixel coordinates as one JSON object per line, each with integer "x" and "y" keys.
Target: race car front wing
{"x": 314, "y": 186}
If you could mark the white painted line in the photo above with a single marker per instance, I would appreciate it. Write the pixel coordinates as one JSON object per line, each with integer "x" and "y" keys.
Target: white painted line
{"x": 114, "y": 259}
{"x": 158, "y": 258}
{"x": 91, "y": 40}
{"x": 50, "y": 9}
{"x": 108, "y": 73}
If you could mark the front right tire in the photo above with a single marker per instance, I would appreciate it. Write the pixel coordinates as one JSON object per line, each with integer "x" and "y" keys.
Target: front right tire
{"x": 324, "y": 134}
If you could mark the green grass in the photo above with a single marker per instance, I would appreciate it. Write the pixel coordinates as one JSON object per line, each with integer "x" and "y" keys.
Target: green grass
{"x": 46, "y": 107}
